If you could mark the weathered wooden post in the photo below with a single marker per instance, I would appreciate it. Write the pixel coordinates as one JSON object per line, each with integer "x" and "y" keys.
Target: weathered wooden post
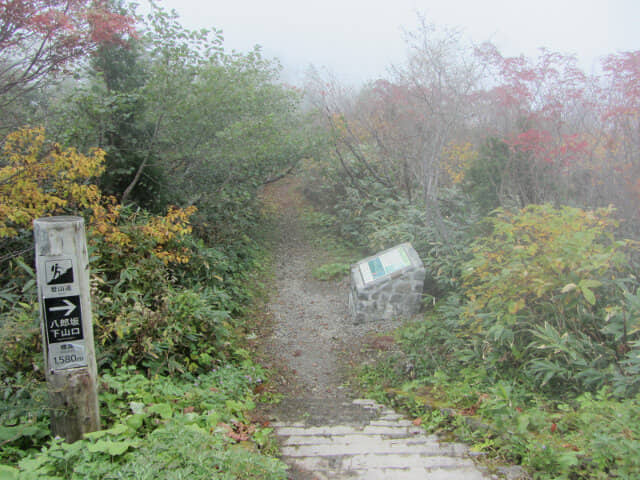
{"x": 62, "y": 265}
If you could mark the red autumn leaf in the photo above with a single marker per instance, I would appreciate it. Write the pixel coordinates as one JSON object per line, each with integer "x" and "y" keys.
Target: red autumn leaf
{"x": 239, "y": 432}
{"x": 570, "y": 447}
{"x": 42, "y": 37}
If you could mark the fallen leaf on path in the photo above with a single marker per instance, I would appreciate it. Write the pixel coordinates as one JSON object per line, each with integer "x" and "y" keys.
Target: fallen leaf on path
{"x": 571, "y": 447}
{"x": 239, "y": 431}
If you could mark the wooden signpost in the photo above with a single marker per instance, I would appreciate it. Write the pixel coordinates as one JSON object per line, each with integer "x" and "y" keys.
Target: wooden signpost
{"x": 62, "y": 265}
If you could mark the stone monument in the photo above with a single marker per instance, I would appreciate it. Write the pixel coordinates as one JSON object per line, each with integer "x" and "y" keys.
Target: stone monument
{"x": 387, "y": 285}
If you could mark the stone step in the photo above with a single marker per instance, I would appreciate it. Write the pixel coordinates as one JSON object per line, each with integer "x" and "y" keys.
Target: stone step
{"x": 337, "y": 430}
{"x": 408, "y": 474}
{"x": 365, "y": 402}
{"x": 366, "y": 447}
{"x": 355, "y": 438}
{"x": 379, "y": 444}
{"x": 390, "y": 423}
{"x": 393, "y": 461}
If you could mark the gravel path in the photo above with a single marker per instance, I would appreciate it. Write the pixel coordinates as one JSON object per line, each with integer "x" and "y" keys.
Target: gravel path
{"x": 311, "y": 323}
{"x": 324, "y": 432}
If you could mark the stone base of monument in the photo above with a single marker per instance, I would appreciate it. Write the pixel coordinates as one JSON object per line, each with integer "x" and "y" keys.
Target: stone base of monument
{"x": 387, "y": 285}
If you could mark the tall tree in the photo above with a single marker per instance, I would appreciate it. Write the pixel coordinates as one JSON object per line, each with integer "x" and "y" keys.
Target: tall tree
{"x": 395, "y": 133}
{"x": 183, "y": 121}
{"x": 620, "y": 116}
{"x": 40, "y": 38}
{"x": 541, "y": 109}
{"x": 441, "y": 77}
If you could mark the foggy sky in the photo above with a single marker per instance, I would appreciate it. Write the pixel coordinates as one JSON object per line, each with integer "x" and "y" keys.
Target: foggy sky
{"x": 358, "y": 39}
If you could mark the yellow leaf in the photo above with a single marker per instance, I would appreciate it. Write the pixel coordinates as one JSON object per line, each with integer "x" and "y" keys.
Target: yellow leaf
{"x": 515, "y": 307}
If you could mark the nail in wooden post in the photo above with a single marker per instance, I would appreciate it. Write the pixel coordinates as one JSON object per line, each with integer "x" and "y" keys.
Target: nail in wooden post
{"x": 62, "y": 265}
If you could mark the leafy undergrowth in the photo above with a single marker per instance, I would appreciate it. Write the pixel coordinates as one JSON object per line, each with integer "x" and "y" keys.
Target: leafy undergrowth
{"x": 176, "y": 380}
{"x": 338, "y": 254}
{"x": 167, "y": 428}
{"x": 588, "y": 436}
{"x": 534, "y": 356}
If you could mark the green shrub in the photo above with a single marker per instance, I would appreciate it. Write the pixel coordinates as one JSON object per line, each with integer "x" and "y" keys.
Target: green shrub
{"x": 164, "y": 428}
{"x": 330, "y": 271}
{"x": 590, "y": 436}
{"x": 483, "y": 178}
{"x": 21, "y": 340}
{"x": 169, "y": 316}
{"x": 24, "y": 416}
{"x": 542, "y": 288}
{"x": 185, "y": 332}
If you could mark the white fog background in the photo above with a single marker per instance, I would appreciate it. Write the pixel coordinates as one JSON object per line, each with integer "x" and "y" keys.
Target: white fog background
{"x": 357, "y": 40}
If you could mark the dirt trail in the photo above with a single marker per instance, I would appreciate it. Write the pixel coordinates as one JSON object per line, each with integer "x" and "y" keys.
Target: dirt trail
{"x": 324, "y": 432}
{"x": 310, "y": 318}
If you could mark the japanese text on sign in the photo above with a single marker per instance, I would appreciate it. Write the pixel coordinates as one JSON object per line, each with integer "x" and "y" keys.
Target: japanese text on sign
{"x": 63, "y": 319}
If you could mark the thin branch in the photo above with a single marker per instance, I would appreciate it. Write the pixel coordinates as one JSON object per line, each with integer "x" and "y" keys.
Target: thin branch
{"x": 281, "y": 175}
{"x": 136, "y": 178}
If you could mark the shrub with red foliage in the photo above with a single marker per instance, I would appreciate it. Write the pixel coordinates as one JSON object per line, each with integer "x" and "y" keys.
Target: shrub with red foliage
{"x": 42, "y": 37}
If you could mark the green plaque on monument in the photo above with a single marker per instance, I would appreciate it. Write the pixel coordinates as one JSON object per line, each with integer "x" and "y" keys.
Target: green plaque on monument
{"x": 384, "y": 264}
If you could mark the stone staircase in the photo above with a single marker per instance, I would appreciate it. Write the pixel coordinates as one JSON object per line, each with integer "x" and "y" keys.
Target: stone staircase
{"x": 378, "y": 444}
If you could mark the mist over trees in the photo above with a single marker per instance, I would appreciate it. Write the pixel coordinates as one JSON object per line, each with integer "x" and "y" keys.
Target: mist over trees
{"x": 161, "y": 140}
{"x": 506, "y": 131}
{"x": 516, "y": 179}
{"x": 181, "y": 121}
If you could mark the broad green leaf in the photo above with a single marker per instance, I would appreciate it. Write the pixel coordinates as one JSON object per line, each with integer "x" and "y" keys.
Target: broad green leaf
{"x": 588, "y": 295}
{"x": 590, "y": 283}
{"x": 111, "y": 447}
{"x": 100, "y": 446}
{"x": 213, "y": 418}
{"x": 9, "y": 433}
{"x": 135, "y": 421}
{"x": 95, "y": 435}
{"x": 9, "y": 473}
{"x": 117, "y": 429}
{"x": 163, "y": 409}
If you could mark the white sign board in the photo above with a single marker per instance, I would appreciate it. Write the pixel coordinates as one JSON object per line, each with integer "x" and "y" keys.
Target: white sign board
{"x": 384, "y": 264}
